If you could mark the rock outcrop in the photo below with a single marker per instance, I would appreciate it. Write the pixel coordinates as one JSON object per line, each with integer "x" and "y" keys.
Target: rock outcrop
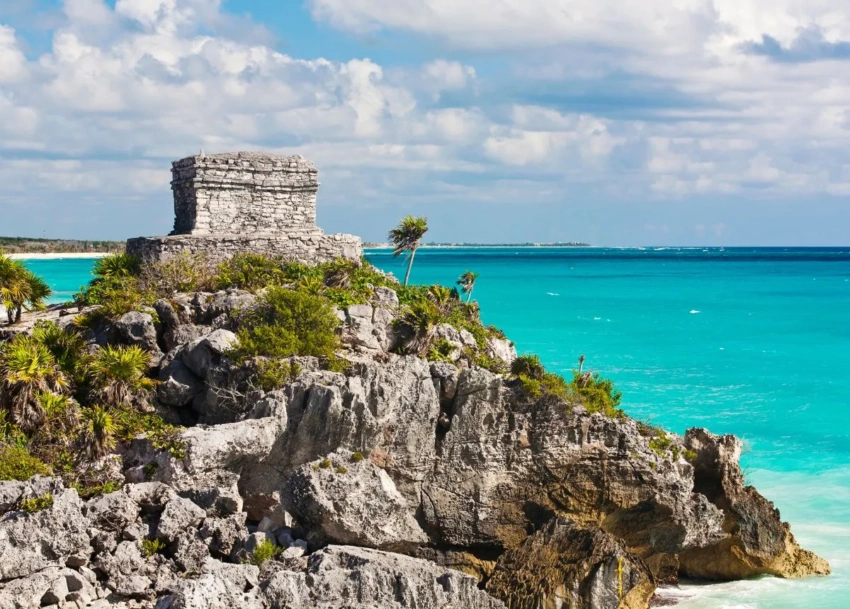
{"x": 399, "y": 483}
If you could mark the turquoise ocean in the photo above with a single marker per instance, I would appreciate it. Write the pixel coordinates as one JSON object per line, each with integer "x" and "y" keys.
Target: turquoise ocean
{"x": 749, "y": 341}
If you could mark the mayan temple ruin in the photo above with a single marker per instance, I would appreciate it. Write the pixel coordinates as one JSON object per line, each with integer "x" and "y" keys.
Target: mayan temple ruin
{"x": 230, "y": 203}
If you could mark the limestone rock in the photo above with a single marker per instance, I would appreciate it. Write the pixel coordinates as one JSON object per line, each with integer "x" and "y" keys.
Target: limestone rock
{"x": 178, "y": 385}
{"x": 179, "y": 515}
{"x": 138, "y": 328}
{"x": 53, "y": 586}
{"x": 759, "y": 543}
{"x": 202, "y": 354}
{"x": 51, "y": 537}
{"x": 501, "y": 349}
{"x": 123, "y": 571}
{"x": 113, "y": 512}
{"x": 367, "y": 579}
{"x": 219, "y": 586}
{"x": 564, "y": 565}
{"x": 353, "y": 503}
{"x": 385, "y": 297}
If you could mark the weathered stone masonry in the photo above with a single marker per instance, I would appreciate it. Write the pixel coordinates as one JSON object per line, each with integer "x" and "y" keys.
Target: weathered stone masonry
{"x": 225, "y": 204}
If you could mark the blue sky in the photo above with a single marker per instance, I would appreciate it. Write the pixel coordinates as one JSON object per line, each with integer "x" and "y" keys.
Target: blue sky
{"x": 718, "y": 122}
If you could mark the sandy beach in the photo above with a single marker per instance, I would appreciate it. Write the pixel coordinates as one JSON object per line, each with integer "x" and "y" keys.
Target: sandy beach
{"x": 57, "y": 256}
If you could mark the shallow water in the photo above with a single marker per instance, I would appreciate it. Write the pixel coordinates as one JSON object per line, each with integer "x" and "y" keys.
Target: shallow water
{"x": 754, "y": 342}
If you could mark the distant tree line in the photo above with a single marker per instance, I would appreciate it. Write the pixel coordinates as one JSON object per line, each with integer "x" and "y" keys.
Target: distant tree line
{"x": 27, "y": 245}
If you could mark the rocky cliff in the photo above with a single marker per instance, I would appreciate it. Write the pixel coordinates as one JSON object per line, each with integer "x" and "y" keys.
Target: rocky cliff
{"x": 397, "y": 483}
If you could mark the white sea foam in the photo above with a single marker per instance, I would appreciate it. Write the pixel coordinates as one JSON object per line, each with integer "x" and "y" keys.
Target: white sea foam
{"x": 694, "y": 311}
{"x": 552, "y": 294}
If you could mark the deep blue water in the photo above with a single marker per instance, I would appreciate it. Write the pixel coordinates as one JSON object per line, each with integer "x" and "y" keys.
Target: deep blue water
{"x": 749, "y": 341}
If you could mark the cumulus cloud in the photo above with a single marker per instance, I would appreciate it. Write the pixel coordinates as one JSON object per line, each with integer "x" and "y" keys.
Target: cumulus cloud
{"x": 654, "y": 98}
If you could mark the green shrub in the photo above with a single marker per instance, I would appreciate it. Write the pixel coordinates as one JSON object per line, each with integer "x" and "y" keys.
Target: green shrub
{"x": 597, "y": 394}
{"x": 36, "y": 504}
{"x": 185, "y": 272}
{"x": 660, "y": 444}
{"x": 263, "y": 553}
{"x": 150, "y": 470}
{"x": 356, "y": 457}
{"x": 285, "y": 323}
{"x": 341, "y": 469}
{"x": 87, "y": 491}
{"x": 325, "y": 463}
{"x": 250, "y": 272}
{"x": 275, "y": 373}
{"x": 690, "y": 455}
{"x": 528, "y": 366}
{"x": 16, "y": 463}
{"x": 441, "y": 351}
{"x": 152, "y": 546}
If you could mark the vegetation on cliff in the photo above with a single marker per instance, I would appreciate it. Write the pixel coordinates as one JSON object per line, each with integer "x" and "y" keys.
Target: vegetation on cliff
{"x": 68, "y": 403}
{"x": 20, "y": 289}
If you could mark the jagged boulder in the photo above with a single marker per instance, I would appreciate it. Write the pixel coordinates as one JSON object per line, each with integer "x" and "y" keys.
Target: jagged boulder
{"x": 50, "y": 587}
{"x": 564, "y": 565}
{"x": 758, "y": 542}
{"x": 360, "y": 578}
{"x": 137, "y": 328}
{"x": 202, "y": 354}
{"x": 218, "y": 586}
{"x": 178, "y": 385}
{"x": 349, "y": 502}
{"x": 54, "y": 536}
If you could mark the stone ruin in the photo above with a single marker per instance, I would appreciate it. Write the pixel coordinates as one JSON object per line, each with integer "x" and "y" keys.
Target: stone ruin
{"x": 232, "y": 203}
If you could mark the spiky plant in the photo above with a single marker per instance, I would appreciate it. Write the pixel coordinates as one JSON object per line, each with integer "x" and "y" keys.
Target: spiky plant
{"x": 467, "y": 283}
{"x": 441, "y": 296}
{"x": 118, "y": 375}
{"x": 312, "y": 284}
{"x": 338, "y": 274}
{"x": 65, "y": 344}
{"x": 27, "y": 368}
{"x": 61, "y": 417}
{"x": 116, "y": 266}
{"x": 420, "y": 319}
{"x": 406, "y": 238}
{"x": 97, "y": 437}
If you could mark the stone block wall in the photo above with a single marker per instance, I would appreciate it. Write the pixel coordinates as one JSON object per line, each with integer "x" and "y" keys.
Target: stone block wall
{"x": 309, "y": 248}
{"x": 243, "y": 193}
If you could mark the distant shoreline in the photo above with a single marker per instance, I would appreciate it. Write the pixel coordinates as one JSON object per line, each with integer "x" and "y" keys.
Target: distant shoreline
{"x": 56, "y": 255}
{"x": 384, "y": 246}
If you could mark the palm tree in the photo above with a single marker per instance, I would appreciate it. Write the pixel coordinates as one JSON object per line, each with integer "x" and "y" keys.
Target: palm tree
{"x": 406, "y": 237}
{"x": 420, "y": 320}
{"x": 28, "y": 369}
{"x": 20, "y": 288}
{"x": 98, "y": 434}
{"x": 118, "y": 374}
{"x": 467, "y": 283}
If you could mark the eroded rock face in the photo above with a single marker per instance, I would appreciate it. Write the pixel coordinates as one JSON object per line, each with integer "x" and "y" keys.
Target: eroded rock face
{"x": 369, "y": 578}
{"x": 50, "y": 537}
{"x": 759, "y": 542}
{"x": 564, "y": 565}
{"x": 348, "y": 502}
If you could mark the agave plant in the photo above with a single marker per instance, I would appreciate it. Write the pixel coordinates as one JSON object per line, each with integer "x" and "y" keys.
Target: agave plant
{"x": 27, "y": 369}
{"x": 98, "y": 434}
{"x": 118, "y": 375}
{"x": 406, "y": 237}
{"x": 467, "y": 283}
